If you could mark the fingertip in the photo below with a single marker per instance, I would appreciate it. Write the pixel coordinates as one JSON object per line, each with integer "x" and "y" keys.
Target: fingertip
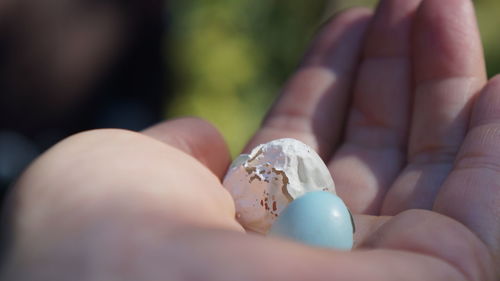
{"x": 492, "y": 87}
{"x": 196, "y": 137}
{"x": 389, "y": 32}
{"x": 495, "y": 79}
{"x": 355, "y": 14}
{"x": 446, "y": 41}
{"x": 487, "y": 105}
{"x": 486, "y": 109}
{"x": 348, "y": 25}
{"x": 346, "y": 16}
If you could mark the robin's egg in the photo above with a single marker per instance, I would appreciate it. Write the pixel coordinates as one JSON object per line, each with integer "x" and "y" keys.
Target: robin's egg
{"x": 265, "y": 181}
{"x": 317, "y": 219}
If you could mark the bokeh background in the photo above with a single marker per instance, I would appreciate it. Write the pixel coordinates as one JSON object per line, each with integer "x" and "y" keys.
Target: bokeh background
{"x": 68, "y": 66}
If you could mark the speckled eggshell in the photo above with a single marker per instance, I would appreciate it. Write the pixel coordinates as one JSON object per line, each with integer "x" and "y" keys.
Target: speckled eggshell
{"x": 265, "y": 181}
{"x": 318, "y": 219}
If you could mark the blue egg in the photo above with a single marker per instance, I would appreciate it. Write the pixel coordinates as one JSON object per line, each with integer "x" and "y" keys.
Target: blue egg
{"x": 317, "y": 218}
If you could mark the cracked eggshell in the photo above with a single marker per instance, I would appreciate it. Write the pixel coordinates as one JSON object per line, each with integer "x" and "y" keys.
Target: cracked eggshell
{"x": 265, "y": 181}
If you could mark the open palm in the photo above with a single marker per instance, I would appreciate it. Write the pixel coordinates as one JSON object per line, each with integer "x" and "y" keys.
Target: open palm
{"x": 389, "y": 102}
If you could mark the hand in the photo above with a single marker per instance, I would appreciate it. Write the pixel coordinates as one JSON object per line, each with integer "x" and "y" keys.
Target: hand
{"x": 117, "y": 205}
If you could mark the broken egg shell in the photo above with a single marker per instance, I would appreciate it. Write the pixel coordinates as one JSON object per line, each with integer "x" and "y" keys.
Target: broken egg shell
{"x": 265, "y": 181}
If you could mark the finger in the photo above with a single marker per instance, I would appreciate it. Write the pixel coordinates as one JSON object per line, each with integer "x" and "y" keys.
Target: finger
{"x": 105, "y": 183}
{"x": 268, "y": 259}
{"x": 149, "y": 252}
{"x": 365, "y": 226}
{"x": 197, "y": 138}
{"x": 113, "y": 171}
{"x": 438, "y": 236}
{"x": 448, "y": 72}
{"x": 471, "y": 194}
{"x": 374, "y": 149}
{"x": 312, "y": 105}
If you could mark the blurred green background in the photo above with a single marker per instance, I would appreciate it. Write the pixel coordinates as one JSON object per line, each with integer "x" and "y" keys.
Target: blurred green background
{"x": 230, "y": 58}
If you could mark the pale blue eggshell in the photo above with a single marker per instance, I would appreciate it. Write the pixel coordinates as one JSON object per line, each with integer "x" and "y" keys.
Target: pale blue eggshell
{"x": 318, "y": 219}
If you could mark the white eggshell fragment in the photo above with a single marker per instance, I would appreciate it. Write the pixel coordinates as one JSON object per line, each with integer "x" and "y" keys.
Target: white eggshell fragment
{"x": 265, "y": 181}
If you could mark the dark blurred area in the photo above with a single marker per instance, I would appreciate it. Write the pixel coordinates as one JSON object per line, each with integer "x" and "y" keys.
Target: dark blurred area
{"x": 69, "y": 66}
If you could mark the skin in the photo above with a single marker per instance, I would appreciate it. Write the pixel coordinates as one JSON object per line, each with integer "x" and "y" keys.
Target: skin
{"x": 397, "y": 103}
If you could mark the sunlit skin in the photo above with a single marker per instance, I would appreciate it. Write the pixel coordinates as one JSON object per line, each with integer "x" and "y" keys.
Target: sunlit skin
{"x": 396, "y": 102}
